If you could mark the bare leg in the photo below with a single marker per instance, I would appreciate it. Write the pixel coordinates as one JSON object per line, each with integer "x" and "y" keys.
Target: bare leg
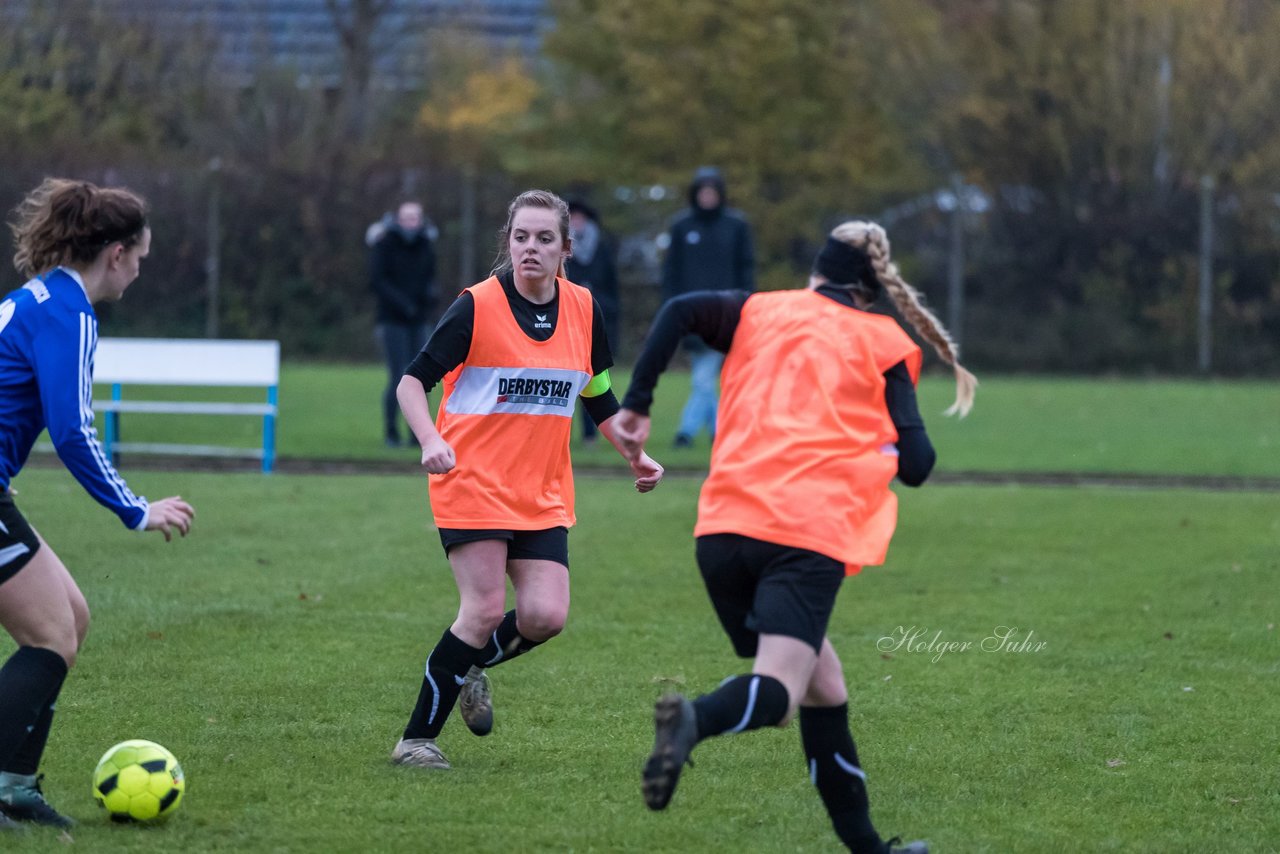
{"x": 42, "y": 607}
{"x": 792, "y": 662}
{"x": 44, "y": 611}
{"x": 542, "y": 597}
{"x": 479, "y": 569}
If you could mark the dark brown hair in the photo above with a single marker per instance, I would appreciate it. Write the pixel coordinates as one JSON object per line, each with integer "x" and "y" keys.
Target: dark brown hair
{"x": 64, "y": 221}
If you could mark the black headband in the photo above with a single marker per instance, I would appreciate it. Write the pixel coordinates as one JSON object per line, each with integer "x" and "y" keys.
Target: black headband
{"x": 115, "y": 235}
{"x": 842, "y": 264}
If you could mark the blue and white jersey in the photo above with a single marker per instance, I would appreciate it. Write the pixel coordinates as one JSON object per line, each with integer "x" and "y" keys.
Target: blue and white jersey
{"x": 48, "y": 334}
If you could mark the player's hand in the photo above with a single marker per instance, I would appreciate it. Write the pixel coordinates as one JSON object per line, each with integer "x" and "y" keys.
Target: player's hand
{"x": 171, "y": 512}
{"x": 647, "y": 471}
{"x": 632, "y": 430}
{"x": 437, "y": 456}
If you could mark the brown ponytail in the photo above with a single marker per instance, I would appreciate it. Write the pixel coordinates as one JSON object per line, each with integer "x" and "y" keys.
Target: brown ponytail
{"x": 870, "y": 238}
{"x": 67, "y": 222}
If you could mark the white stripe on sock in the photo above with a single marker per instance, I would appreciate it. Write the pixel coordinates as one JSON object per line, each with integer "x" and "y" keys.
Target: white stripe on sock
{"x": 497, "y": 657}
{"x": 435, "y": 697}
{"x": 849, "y": 767}
{"x": 751, "y": 704}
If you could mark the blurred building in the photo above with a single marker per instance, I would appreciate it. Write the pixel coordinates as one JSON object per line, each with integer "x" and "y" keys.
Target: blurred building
{"x": 308, "y": 37}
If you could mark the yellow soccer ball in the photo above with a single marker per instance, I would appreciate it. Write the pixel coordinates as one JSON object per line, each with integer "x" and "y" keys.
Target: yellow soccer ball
{"x": 138, "y": 781}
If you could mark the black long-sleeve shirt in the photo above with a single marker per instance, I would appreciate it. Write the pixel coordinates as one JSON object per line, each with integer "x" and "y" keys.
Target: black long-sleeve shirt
{"x": 451, "y": 341}
{"x": 714, "y": 315}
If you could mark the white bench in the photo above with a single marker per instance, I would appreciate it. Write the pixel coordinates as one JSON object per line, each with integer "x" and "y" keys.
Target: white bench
{"x": 188, "y": 362}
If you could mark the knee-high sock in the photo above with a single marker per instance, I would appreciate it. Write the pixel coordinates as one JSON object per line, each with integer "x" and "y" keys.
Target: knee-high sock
{"x": 447, "y": 664}
{"x": 26, "y": 760}
{"x": 29, "y": 684}
{"x": 506, "y": 642}
{"x": 741, "y": 703}
{"x": 834, "y": 769}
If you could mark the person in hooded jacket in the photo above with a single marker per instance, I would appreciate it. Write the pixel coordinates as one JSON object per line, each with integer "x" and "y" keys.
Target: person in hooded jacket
{"x": 593, "y": 265}
{"x": 710, "y": 249}
{"x": 403, "y": 274}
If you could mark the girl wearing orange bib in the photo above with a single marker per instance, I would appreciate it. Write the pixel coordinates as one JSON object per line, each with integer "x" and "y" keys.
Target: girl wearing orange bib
{"x": 817, "y": 416}
{"x": 515, "y": 353}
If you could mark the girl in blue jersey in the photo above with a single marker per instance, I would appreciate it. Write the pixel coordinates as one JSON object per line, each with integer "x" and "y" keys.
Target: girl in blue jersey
{"x": 81, "y": 245}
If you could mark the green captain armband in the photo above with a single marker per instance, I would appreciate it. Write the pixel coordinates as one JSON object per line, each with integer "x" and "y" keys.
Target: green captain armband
{"x": 599, "y": 384}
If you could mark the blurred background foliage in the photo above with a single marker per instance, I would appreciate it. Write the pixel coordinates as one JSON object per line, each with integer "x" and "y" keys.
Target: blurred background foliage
{"x": 1075, "y": 147}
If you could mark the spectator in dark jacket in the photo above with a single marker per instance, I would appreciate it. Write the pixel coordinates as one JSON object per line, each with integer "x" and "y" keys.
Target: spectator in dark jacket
{"x": 593, "y": 265}
{"x": 403, "y": 270}
{"x": 710, "y": 250}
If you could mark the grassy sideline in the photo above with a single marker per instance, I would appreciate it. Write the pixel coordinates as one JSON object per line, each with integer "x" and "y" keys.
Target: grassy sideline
{"x": 1020, "y": 424}
{"x": 277, "y": 651}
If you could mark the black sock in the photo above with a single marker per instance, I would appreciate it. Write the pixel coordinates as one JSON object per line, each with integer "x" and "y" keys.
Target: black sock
{"x": 506, "y": 642}
{"x": 834, "y": 769}
{"x": 741, "y": 703}
{"x": 447, "y": 664}
{"x": 29, "y": 683}
{"x": 27, "y": 760}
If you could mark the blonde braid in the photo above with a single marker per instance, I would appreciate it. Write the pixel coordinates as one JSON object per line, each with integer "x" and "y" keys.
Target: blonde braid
{"x": 870, "y": 238}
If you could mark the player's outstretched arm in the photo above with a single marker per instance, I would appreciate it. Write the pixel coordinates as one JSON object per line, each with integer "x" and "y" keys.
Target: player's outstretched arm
{"x": 437, "y": 455}
{"x": 629, "y": 431}
{"x": 648, "y": 471}
{"x": 170, "y": 514}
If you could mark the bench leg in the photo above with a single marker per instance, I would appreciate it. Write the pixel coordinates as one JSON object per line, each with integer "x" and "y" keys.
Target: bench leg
{"x": 269, "y": 433}
{"x": 111, "y": 428}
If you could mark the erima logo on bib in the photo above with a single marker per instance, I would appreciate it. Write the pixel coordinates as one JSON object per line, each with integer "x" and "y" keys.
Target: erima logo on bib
{"x": 541, "y": 322}
{"x": 540, "y": 392}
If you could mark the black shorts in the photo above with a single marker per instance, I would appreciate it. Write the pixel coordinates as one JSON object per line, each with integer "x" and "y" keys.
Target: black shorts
{"x": 764, "y": 588}
{"x": 547, "y": 544}
{"x": 18, "y": 541}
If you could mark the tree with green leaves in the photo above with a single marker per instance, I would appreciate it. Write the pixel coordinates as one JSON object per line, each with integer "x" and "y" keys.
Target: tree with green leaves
{"x": 1109, "y": 114}
{"x": 778, "y": 93}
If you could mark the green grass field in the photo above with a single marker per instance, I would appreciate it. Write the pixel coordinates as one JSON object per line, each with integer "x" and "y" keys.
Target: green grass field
{"x": 1112, "y": 426}
{"x": 277, "y": 651}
